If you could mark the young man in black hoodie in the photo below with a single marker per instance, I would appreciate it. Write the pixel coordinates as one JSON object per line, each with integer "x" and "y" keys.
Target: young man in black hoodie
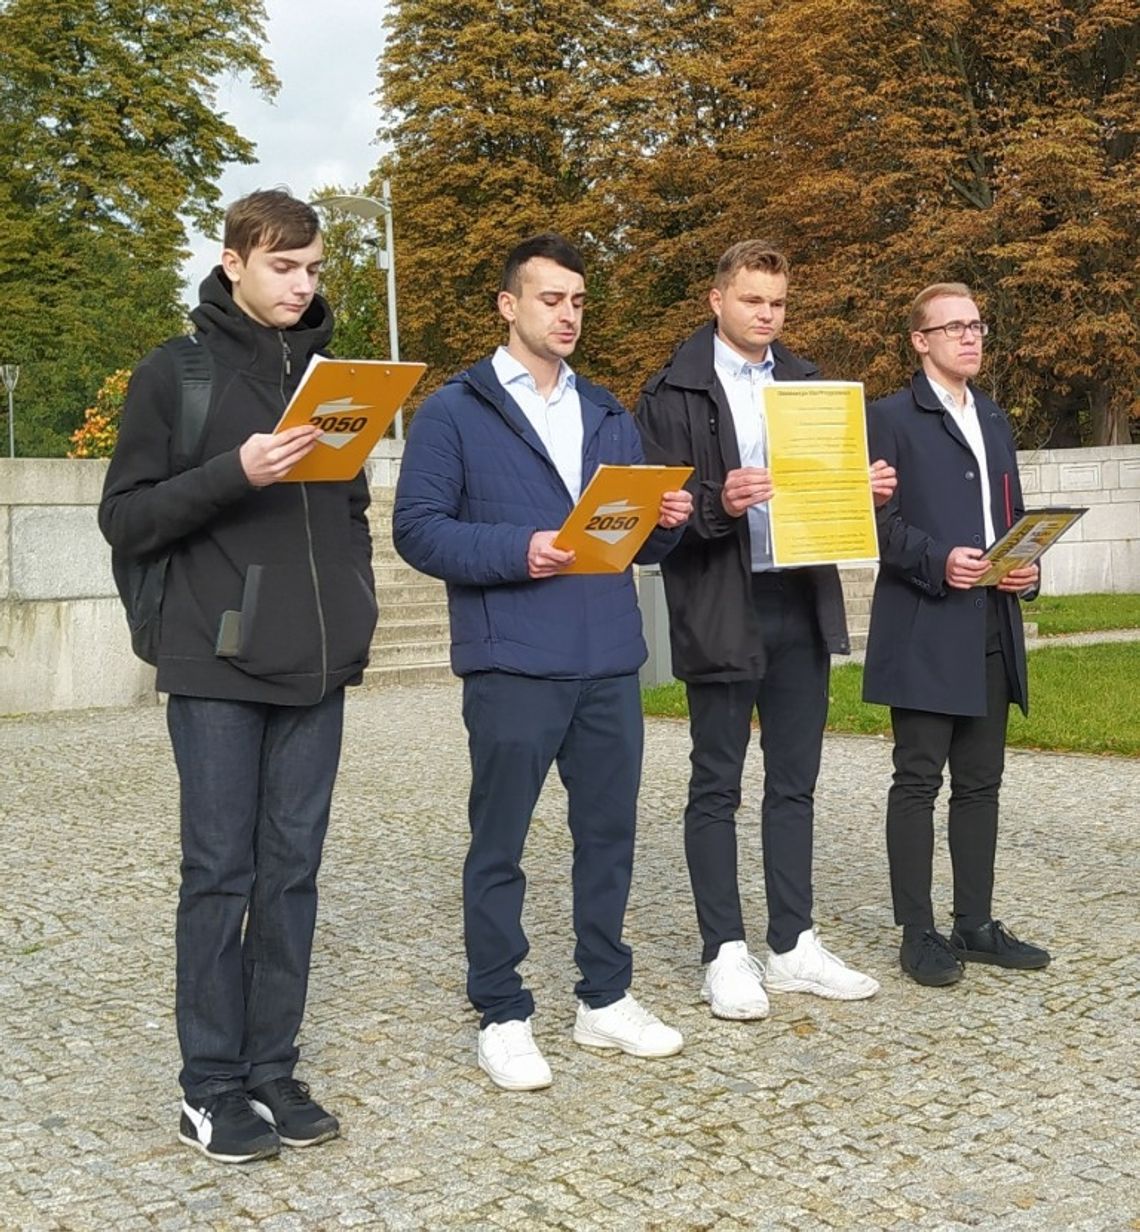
{"x": 268, "y": 612}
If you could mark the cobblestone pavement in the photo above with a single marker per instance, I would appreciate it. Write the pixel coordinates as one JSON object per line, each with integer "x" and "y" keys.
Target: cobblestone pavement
{"x": 1008, "y": 1102}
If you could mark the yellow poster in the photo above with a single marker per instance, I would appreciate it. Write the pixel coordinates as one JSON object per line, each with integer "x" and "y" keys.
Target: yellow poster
{"x": 616, "y": 514}
{"x": 821, "y": 511}
{"x": 354, "y": 401}
{"x": 1026, "y": 540}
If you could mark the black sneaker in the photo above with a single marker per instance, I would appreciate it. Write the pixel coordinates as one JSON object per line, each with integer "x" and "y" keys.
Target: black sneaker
{"x": 225, "y": 1128}
{"x": 299, "y": 1120}
{"x": 993, "y": 943}
{"x": 928, "y": 959}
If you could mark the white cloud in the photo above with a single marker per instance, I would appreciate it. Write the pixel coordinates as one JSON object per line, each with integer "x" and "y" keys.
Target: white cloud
{"x": 322, "y": 127}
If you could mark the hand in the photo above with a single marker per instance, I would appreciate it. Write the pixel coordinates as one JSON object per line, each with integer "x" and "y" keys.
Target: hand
{"x": 964, "y": 566}
{"x": 884, "y": 480}
{"x": 745, "y": 487}
{"x": 1025, "y": 577}
{"x": 543, "y": 559}
{"x": 675, "y": 509}
{"x": 267, "y": 457}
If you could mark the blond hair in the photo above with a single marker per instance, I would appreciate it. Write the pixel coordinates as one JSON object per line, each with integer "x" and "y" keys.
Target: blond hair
{"x": 936, "y": 290}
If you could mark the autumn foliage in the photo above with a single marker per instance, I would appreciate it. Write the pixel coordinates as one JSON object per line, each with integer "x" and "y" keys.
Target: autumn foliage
{"x": 883, "y": 146}
{"x": 96, "y": 435}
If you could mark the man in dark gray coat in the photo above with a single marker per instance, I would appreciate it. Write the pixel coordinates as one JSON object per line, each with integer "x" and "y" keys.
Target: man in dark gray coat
{"x": 947, "y": 657}
{"x": 746, "y": 637}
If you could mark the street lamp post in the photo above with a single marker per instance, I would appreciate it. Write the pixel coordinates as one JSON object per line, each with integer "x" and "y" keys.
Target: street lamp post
{"x": 10, "y": 374}
{"x": 372, "y": 208}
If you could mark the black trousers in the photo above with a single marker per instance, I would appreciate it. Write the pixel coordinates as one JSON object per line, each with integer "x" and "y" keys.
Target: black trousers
{"x": 517, "y": 727}
{"x": 791, "y": 701}
{"x": 974, "y": 746}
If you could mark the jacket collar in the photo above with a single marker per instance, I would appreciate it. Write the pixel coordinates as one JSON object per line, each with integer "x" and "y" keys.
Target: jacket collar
{"x": 257, "y": 349}
{"x": 692, "y": 367}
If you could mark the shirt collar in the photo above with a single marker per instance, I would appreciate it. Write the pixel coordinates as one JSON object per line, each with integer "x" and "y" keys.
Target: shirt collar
{"x": 947, "y": 398}
{"x": 735, "y": 364}
{"x": 509, "y": 370}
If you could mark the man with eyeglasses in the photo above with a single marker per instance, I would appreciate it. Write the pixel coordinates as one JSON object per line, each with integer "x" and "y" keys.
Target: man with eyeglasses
{"x": 946, "y": 656}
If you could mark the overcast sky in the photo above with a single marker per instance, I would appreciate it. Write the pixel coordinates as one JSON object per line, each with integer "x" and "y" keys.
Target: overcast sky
{"x": 322, "y": 128}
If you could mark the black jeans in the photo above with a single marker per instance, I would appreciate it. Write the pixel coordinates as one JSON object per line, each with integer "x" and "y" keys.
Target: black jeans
{"x": 791, "y": 701}
{"x": 256, "y": 787}
{"x": 518, "y": 726}
{"x": 974, "y": 746}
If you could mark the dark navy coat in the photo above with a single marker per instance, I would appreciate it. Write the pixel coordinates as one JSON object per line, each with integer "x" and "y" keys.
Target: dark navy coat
{"x": 927, "y": 646}
{"x": 475, "y": 484}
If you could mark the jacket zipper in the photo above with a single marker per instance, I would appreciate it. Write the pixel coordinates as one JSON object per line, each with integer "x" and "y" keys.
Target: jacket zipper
{"x": 287, "y": 369}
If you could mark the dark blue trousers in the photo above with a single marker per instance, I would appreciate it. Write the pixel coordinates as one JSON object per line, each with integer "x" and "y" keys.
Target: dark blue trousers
{"x": 256, "y": 787}
{"x": 517, "y": 727}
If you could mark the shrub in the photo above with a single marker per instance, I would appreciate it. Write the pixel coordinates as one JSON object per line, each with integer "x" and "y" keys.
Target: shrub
{"x": 96, "y": 435}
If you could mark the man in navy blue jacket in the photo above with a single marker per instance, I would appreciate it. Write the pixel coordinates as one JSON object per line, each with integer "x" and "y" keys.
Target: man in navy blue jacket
{"x": 494, "y": 462}
{"x": 947, "y": 656}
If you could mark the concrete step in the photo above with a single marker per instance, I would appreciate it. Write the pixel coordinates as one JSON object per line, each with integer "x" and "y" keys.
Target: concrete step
{"x": 857, "y": 606}
{"x": 407, "y": 654}
{"x": 393, "y": 594}
{"x": 379, "y": 676}
{"x": 391, "y": 632}
{"x": 390, "y": 570}
{"x": 391, "y": 612}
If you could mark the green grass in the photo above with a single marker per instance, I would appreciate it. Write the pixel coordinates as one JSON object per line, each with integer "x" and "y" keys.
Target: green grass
{"x": 1083, "y": 613}
{"x": 1083, "y": 700}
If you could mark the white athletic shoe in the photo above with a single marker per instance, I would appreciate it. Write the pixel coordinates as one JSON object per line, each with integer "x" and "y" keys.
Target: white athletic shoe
{"x": 510, "y": 1057}
{"x": 810, "y": 968}
{"x": 628, "y": 1026}
{"x": 734, "y": 983}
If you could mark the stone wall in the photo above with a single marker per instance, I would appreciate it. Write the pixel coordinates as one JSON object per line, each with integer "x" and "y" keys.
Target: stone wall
{"x": 1102, "y": 552}
{"x": 64, "y": 642}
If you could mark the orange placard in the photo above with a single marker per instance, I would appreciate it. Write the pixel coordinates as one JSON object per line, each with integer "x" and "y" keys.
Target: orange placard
{"x": 615, "y": 515}
{"x": 354, "y": 401}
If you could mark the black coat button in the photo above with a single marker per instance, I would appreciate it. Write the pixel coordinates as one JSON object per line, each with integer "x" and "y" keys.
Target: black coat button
{"x": 977, "y": 538}
{"x": 969, "y": 474}
{"x": 979, "y": 602}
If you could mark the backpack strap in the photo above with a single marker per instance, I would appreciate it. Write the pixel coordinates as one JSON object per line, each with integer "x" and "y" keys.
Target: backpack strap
{"x": 195, "y": 384}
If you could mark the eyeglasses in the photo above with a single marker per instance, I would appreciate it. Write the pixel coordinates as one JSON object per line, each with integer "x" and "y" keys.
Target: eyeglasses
{"x": 955, "y": 329}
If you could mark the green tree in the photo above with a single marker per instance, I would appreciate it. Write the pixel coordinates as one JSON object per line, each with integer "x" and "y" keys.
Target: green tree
{"x": 498, "y": 114}
{"x": 110, "y": 137}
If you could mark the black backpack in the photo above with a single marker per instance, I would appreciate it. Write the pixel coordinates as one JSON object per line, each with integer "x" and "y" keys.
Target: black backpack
{"x": 141, "y": 580}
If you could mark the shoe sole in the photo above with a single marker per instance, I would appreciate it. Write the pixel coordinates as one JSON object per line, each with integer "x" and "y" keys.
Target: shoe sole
{"x": 589, "y": 1039}
{"x": 265, "y": 1153}
{"x": 939, "y": 979}
{"x": 505, "y": 1084}
{"x": 735, "y": 1015}
{"x": 325, "y": 1135}
{"x": 818, "y": 990}
{"x": 991, "y": 960}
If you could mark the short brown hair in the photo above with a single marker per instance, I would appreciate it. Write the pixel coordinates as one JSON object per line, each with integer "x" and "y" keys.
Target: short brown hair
{"x": 750, "y": 255}
{"x": 936, "y": 290}
{"x": 272, "y": 219}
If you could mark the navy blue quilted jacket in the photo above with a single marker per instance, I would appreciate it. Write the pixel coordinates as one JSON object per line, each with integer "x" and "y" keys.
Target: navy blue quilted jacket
{"x": 475, "y": 484}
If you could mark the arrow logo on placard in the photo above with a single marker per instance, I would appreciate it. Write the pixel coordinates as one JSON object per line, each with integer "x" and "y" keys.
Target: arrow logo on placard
{"x": 340, "y": 406}
{"x": 618, "y": 510}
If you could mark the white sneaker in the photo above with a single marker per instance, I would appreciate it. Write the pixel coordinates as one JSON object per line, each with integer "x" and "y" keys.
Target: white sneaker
{"x": 510, "y": 1057}
{"x": 628, "y": 1026}
{"x": 734, "y": 983}
{"x": 811, "y": 968}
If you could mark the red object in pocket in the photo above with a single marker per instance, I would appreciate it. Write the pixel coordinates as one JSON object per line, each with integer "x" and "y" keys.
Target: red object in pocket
{"x": 1008, "y": 501}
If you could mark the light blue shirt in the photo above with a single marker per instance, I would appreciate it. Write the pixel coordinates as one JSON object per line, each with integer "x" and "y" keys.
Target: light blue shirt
{"x": 743, "y": 383}
{"x": 557, "y": 419}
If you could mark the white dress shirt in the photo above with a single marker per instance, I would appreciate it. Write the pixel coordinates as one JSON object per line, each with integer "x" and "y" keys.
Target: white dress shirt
{"x": 967, "y": 419}
{"x": 557, "y": 419}
{"x": 743, "y": 383}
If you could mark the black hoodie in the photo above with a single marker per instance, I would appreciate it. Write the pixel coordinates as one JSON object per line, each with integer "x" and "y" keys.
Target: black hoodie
{"x": 293, "y": 558}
